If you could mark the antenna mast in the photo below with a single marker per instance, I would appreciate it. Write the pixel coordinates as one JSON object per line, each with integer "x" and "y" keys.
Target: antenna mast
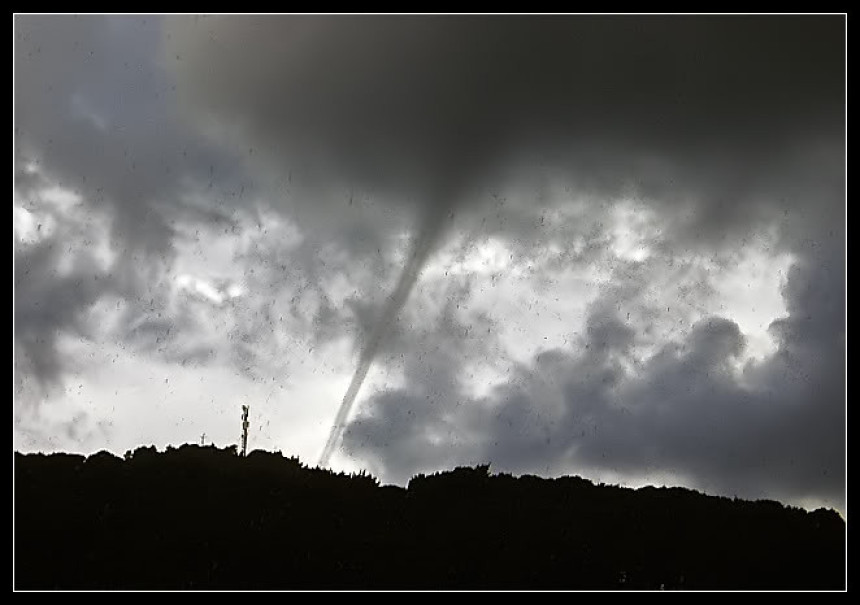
{"x": 245, "y": 409}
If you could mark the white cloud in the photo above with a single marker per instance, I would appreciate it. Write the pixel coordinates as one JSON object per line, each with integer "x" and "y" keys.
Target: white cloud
{"x": 206, "y": 290}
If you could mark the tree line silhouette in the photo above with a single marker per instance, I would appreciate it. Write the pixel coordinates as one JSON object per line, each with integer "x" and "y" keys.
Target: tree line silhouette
{"x": 197, "y": 517}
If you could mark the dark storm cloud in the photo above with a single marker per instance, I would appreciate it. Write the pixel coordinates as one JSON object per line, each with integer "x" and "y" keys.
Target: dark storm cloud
{"x": 709, "y": 111}
{"x": 423, "y": 106}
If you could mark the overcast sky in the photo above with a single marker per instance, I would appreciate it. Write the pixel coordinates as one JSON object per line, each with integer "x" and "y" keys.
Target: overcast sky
{"x": 617, "y": 243}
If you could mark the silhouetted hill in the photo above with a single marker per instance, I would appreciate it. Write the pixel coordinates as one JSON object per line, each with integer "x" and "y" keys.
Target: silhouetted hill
{"x": 201, "y": 517}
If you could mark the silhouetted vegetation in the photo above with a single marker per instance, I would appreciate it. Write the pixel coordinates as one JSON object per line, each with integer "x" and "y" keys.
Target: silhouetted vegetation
{"x": 201, "y": 517}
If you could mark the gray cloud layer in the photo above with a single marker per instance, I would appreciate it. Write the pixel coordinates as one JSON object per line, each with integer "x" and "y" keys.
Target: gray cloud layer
{"x": 95, "y": 113}
{"x": 780, "y": 430}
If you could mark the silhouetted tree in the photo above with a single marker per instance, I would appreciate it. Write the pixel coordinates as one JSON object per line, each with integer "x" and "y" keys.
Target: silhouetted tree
{"x": 205, "y": 517}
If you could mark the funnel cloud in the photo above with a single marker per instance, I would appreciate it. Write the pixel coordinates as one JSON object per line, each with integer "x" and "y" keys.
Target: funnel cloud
{"x": 422, "y": 248}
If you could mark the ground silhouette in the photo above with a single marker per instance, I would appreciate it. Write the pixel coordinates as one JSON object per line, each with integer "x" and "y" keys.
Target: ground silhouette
{"x": 205, "y": 518}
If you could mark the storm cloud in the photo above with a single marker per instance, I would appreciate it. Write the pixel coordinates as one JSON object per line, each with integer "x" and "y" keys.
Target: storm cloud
{"x": 421, "y": 107}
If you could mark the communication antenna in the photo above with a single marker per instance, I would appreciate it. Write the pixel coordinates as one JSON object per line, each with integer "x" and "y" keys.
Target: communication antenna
{"x": 245, "y": 409}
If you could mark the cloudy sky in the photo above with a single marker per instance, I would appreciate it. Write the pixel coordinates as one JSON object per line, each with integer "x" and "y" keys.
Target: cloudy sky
{"x": 605, "y": 246}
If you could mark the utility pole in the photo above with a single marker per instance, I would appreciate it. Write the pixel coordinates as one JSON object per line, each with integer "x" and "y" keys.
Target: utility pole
{"x": 203, "y": 439}
{"x": 245, "y": 409}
